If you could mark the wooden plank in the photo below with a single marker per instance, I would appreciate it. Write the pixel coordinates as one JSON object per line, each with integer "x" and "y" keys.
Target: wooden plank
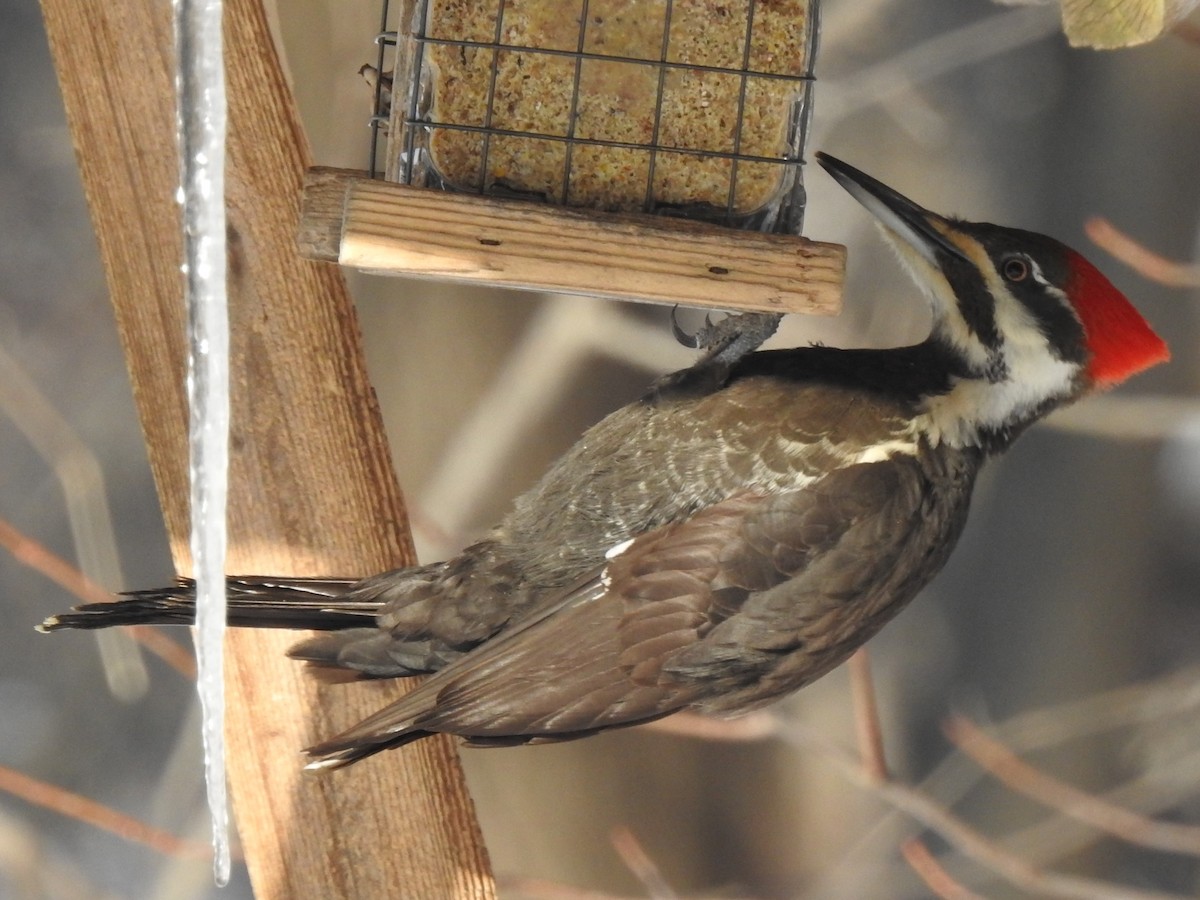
{"x": 312, "y": 490}
{"x": 390, "y": 228}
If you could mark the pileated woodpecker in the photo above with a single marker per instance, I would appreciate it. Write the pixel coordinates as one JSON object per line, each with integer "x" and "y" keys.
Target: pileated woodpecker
{"x": 734, "y": 534}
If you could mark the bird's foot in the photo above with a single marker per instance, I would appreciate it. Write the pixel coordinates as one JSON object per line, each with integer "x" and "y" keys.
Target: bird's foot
{"x": 724, "y": 343}
{"x": 729, "y": 339}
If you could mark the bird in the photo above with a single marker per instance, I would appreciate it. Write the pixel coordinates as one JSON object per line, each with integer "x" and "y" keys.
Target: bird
{"x": 732, "y": 535}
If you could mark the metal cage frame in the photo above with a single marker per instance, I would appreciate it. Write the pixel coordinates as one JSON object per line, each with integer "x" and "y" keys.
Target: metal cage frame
{"x": 411, "y": 118}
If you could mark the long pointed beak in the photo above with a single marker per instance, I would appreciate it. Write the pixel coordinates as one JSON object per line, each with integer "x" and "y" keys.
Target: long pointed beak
{"x": 909, "y": 222}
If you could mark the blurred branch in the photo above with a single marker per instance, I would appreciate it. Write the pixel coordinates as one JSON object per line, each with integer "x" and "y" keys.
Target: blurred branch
{"x": 870, "y": 773}
{"x": 869, "y": 731}
{"x": 938, "y": 880}
{"x": 40, "y": 558}
{"x": 866, "y": 715}
{"x": 1023, "y": 778}
{"x": 938, "y": 56}
{"x": 85, "y": 498}
{"x": 175, "y": 655}
{"x": 963, "y": 837}
{"x": 1126, "y": 416}
{"x": 1058, "y": 836}
{"x": 1130, "y": 705}
{"x": 31, "y": 869}
{"x": 1140, "y": 258}
{"x": 544, "y": 889}
{"x": 1187, "y": 31}
{"x": 638, "y": 862}
{"x": 98, "y": 815}
{"x": 755, "y": 726}
{"x": 1176, "y": 696}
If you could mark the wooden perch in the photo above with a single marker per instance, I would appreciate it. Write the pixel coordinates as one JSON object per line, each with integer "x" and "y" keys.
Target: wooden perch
{"x": 312, "y": 490}
{"x": 395, "y": 229}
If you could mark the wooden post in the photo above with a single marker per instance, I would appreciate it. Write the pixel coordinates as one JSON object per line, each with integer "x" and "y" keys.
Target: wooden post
{"x": 312, "y": 488}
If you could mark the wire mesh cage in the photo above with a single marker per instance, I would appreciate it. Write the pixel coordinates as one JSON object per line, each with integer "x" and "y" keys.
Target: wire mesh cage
{"x": 693, "y": 108}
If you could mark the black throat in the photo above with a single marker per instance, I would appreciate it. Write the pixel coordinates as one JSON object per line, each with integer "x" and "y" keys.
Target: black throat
{"x": 906, "y": 374}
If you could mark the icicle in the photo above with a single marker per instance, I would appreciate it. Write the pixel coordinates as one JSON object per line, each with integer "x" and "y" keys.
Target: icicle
{"x": 201, "y": 125}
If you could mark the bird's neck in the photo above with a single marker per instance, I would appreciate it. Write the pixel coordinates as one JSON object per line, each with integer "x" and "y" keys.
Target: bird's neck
{"x": 993, "y": 408}
{"x": 975, "y": 413}
{"x": 949, "y": 403}
{"x": 903, "y": 374}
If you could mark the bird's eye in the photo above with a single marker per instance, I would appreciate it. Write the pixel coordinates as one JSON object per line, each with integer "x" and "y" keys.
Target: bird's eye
{"x": 1015, "y": 268}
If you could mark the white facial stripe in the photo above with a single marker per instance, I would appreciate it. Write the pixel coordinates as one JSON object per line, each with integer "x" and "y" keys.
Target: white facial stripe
{"x": 974, "y": 404}
{"x": 1037, "y": 274}
{"x": 1015, "y": 378}
{"x": 947, "y": 318}
{"x": 1030, "y": 372}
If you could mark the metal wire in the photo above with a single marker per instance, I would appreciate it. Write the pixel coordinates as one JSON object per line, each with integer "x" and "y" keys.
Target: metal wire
{"x": 381, "y": 112}
{"x": 421, "y": 121}
{"x": 573, "y": 114}
{"x": 741, "y": 106}
{"x": 663, "y": 53}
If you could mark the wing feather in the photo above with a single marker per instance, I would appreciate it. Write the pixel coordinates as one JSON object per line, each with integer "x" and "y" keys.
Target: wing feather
{"x": 684, "y": 614}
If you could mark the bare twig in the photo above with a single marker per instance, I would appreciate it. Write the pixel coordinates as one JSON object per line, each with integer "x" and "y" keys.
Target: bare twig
{"x": 1130, "y": 705}
{"x": 1153, "y": 791}
{"x": 1186, "y": 31}
{"x": 937, "y": 879}
{"x": 967, "y": 840}
{"x": 174, "y": 654}
{"x": 1023, "y": 778}
{"x": 939, "y": 56}
{"x": 929, "y": 811}
{"x": 870, "y": 747}
{"x": 1172, "y": 696}
{"x": 866, "y": 716}
{"x": 1135, "y": 417}
{"x": 638, "y": 861}
{"x": 1135, "y": 705}
{"x": 84, "y": 810}
{"x": 544, "y": 889}
{"x": 755, "y": 726}
{"x": 1138, "y": 257}
{"x": 40, "y": 558}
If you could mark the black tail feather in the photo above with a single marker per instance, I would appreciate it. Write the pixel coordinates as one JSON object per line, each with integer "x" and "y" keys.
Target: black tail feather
{"x": 337, "y": 754}
{"x": 297, "y": 603}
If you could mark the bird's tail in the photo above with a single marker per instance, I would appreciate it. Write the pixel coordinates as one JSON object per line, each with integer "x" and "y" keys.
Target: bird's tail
{"x": 317, "y": 603}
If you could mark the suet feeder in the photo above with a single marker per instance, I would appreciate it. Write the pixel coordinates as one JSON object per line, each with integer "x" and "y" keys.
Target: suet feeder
{"x": 640, "y": 149}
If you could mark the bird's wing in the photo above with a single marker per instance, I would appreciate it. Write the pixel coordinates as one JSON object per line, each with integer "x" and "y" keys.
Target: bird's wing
{"x": 796, "y": 561}
{"x": 653, "y": 631}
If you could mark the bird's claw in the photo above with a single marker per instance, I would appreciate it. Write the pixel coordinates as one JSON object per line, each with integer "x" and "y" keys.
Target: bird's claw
{"x": 724, "y": 343}
{"x": 729, "y": 339}
{"x": 691, "y": 341}
{"x": 704, "y": 338}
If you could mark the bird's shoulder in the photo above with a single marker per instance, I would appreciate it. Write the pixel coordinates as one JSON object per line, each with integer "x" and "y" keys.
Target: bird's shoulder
{"x": 805, "y": 395}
